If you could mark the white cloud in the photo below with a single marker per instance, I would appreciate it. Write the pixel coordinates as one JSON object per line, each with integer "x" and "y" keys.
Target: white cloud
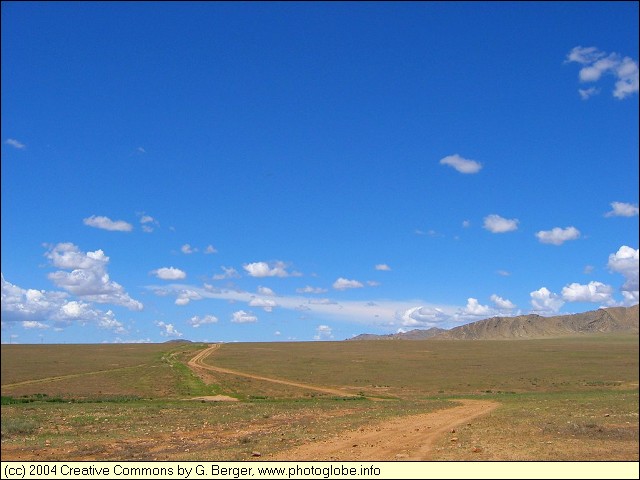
{"x": 497, "y": 224}
{"x": 168, "y": 330}
{"x": 187, "y": 249}
{"x": 323, "y": 332}
{"x": 32, "y": 324}
{"x": 210, "y": 249}
{"x": 466, "y": 224}
{"x": 15, "y": 143}
{"x": 627, "y": 75}
{"x": 423, "y": 317}
{"x": 593, "y": 292}
{"x": 264, "y": 269}
{"x": 620, "y": 209}
{"x": 625, "y": 262}
{"x": 543, "y": 300}
{"x": 35, "y": 307}
{"x": 148, "y": 223}
{"x": 106, "y": 223}
{"x": 373, "y": 283}
{"x": 344, "y": 284}
{"x": 141, "y": 150}
{"x": 474, "y": 308}
{"x": 586, "y": 93}
{"x": 557, "y": 235}
{"x": 383, "y": 267}
{"x": 186, "y": 295}
{"x": 88, "y": 278}
{"x": 503, "y": 273}
{"x": 310, "y": 289}
{"x": 243, "y": 317}
{"x": 196, "y": 321}
{"x": 502, "y": 303}
{"x": 584, "y": 55}
{"x": 266, "y": 291}
{"x": 596, "y": 63}
{"x": 229, "y": 272}
{"x": 266, "y": 303}
{"x": 169, "y": 273}
{"x": 461, "y": 164}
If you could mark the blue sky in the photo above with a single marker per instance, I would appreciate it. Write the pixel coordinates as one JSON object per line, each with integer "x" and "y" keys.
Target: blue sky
{"x": 312, "y": 171}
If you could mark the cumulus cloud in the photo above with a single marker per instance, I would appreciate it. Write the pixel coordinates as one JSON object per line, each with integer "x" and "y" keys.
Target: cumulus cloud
{"x": 185, "y": 295}
{"x": 36, "y": 307}
{"x": 475, "y": 309}
{"x": 229, "y": 272}
{"x": 266, "y": 303}
{"x": 323, "y": 332}
{"x": 310, "y": 289}
{"x": 32, "y": 324}
{"x": 210, "y": 249}
{"x": 344, "y": 284}
{"x": 502, "y": 303}
{"x": 105, "y": 223}
{"x": 383, "y": 267}
{"x": 243, "y": 317}
{"x": 461, "y": 164}
{"x": 625, "y": 262}
{"x": 266, "y": 291}
{"x": 168, "y": 330}
{"x": 557, "y": 235}
{"x": 88, "y": 278}
{"x": 593, "y": 292}
{"x": 265, "y": 269}
{"x": 620, "y": 209}
{"x": 15, "y": 143}
{"x": 586, "y": 93}
{"x": 196, "y": 321}
{"x": 188, "y": 249}
{"x": 497, "y": 224}
{"x": 148, "y": 223}
{"x": 423, "y": 317}
{"x": 596, "y": 63}
{"x": 544, "y": 301}
{"x": 169, "y": 273}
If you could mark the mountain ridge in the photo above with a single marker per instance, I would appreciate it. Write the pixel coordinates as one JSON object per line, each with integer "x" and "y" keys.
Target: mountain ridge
{"x": 602, "y": 320}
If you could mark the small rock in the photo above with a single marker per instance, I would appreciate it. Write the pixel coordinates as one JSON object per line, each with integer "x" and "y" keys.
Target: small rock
{"x": 476, "y": 449}
{"x": 453, "y": 430}
{"x": 606, "y": 415}
{"x": 454, "y": 439}
{"x": 256, "y": 454}
{"x": 354, "y": 445}
{"x": 401, "y": 455}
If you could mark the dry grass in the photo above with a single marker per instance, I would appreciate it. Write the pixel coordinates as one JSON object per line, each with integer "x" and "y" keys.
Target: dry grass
{"x": 561, "y": 399}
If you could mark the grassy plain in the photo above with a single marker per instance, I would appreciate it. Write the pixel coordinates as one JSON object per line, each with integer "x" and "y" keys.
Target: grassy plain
{"x": 560, "y": 399}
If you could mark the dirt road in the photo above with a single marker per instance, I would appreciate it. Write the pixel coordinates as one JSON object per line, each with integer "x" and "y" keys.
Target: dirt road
{"x": 197, "y": 362}
{"x": 405, "y": 438}
{"x": 66, "y": 377}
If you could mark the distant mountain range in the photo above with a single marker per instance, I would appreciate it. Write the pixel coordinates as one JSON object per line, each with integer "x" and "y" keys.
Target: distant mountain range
{"x": 603, "y": 320}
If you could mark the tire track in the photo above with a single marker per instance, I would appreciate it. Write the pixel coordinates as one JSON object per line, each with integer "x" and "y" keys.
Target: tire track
{"x": 197, "y": 362}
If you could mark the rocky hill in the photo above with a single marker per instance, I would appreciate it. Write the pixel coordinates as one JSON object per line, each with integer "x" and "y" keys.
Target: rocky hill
{"x": 604, "y": 320}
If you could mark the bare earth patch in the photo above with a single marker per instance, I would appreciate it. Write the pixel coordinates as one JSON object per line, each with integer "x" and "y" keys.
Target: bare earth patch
{"x": 406, "y": 438}
{"x": 215, "y": 398}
